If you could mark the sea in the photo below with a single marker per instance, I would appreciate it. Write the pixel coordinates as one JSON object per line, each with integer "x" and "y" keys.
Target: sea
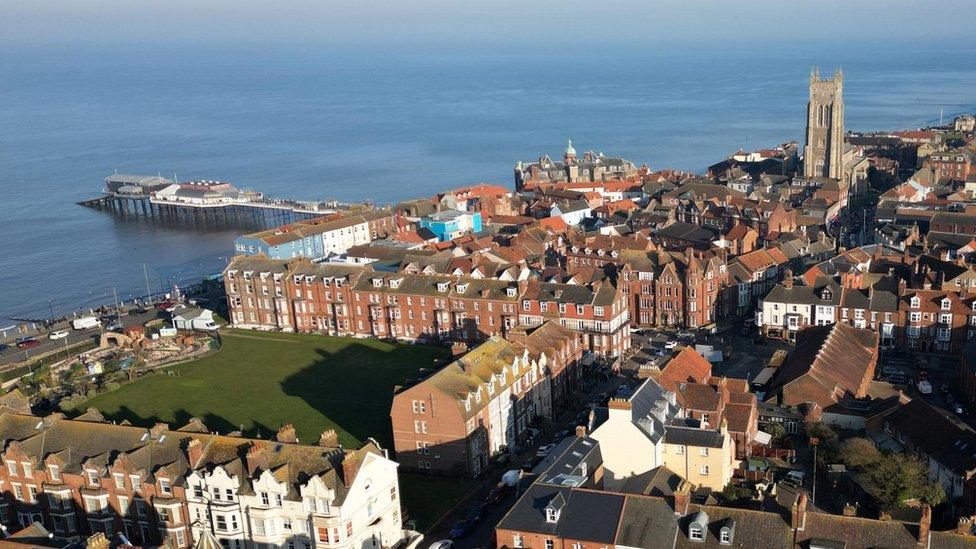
{"x": 380, "y": 125}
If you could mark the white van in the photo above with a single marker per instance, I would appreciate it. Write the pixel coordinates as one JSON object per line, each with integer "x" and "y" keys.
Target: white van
{"x": 85, "y": 323}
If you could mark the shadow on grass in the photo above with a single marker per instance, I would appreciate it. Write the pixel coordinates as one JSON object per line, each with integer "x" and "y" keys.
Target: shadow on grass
{"x": 354, "y": 386}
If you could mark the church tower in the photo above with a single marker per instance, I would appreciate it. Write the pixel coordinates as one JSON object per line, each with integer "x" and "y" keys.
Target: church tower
{"x": 823, "y": 153}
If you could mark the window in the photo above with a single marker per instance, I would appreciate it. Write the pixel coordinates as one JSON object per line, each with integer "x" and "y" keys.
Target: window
{"x": 679, "y": 449}
{"x": 265, "y": 499}
{"x": 92, "y": 476}
{"x": 725, "y": 536}
{"x": 221, "y": 523}
{"x": 54, "y": 472}
{"x": 517, "y": 541}
{"x": 703, "y": 470}
{"x": 123, "y": 505}
{"x": 32, "y": 493}
{"x": 198, "y": 490}
{"x": 28, "y": 470}
{"x": 12, "y": 468}
{"x": 549, "y": 544}
{"x": 165, "y": 487}
{"x": 551, "y": 515}
{"x": 164, "y": 514}
{"x": 695, "y": 533}
{"x": 119, "y": 480}
{"x": 136, "y": 482}
{"x": 703, "y": 452}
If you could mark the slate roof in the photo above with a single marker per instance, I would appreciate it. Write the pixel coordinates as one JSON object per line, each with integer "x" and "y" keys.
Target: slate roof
{"x": 691, "y": 436}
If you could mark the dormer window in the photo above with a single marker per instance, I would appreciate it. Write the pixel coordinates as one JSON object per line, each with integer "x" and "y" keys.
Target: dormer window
{"x": 826, "y": 295}
{"x": 552, "y": 515}
{"x": 395, "y": 283}
{"x": 92, "y": 477}
{"x": 54, "y": 472}
{"x": 461, "y": 288}
{"x": 442, "y": 286}
{"x": 916, "y": 301}
{"x": 946, "y": 304}
{"x": 510, "y": 291}
{"x": 725, "y": 536}
{"x": 165, "y": 487}
{"x": 377, "y": 282}
{"x": 695, "y": 533}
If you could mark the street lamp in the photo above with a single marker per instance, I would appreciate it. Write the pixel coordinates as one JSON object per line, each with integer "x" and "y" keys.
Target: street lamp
{"x": 814, "y": 441}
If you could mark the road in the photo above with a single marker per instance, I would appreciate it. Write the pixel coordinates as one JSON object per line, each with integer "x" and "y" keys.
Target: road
{"x": 482, "y": 534}
{"x": 14, "y": 355}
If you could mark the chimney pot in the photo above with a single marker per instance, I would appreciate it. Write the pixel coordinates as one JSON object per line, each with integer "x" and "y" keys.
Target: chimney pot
{"x": 287, "y": 434}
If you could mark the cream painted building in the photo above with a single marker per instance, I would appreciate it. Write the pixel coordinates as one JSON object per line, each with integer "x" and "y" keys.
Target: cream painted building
{"x": 649, "y": 429}
{"x": 704, "y": 457}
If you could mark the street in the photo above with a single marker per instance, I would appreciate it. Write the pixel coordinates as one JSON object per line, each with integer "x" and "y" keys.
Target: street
{"x": 482, "y": 534}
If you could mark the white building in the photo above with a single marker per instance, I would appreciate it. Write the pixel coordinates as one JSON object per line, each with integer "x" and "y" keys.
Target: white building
{"x": 789, "y": 307}
{"x": 294, "y": 496}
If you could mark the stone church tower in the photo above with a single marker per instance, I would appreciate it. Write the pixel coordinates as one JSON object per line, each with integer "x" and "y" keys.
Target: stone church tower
{"x": 823, "y": 155}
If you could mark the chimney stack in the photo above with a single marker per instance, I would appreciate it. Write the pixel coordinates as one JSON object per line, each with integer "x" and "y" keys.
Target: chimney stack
{"x": 850, "y": 510}
{"x": 350, "y": 466}
{"x": 581, "y": 431}
{"x": 194, "y": 452}
{"x": 255, "y": 457}
{"x": 287, "y": 434}
{"x": 97, "y": 541}
{"x": 329, "y": 439}
{"x": 925, "y": 526}
{"x": 682, "y": 497}
{"x": 158, "y": 429}
{"x": 799, "y": 512}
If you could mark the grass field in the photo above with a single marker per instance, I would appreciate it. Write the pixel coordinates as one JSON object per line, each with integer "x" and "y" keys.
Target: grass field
{"x": 264, "y": 380}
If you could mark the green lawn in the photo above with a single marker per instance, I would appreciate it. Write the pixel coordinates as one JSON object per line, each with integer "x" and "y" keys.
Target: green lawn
{"x": 264, "y": 380}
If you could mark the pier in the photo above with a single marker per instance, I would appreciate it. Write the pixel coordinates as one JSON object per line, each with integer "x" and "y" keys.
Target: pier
{"x": 201, "y": 203}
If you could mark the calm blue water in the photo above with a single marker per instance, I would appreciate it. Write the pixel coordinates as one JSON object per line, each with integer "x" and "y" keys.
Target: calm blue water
{"x": 386, "y": 127}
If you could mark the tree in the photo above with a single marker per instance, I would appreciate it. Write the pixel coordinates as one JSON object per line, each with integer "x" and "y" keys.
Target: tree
{"x": 898, "y": 478}
{"x": 821, "y": 431}
{"x": 859, "y": 453}
{"x": 775, "y": 430}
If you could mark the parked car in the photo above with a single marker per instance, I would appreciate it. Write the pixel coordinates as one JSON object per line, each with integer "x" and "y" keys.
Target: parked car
{"x": 497, "y": 493}
{"x": 163, "y": 306}
{"x": 116, "y": 326}
{"x": 442, "y": 544}
{"x": 671, "y": 344}
{"x": 108, "y": 317}
{"x": 27, "y": 342}
{"x": 137, "y": 311}
{"x": 758, "y": 341}
{"x": 461, "y": 528}
{"x": 795, "y": 478}
{"x": 957, "y": 408}
{"x": 544, "y": 450}
{"x": 684, "y": 334}
{"x": 924, "y": 387}
{"x": 85, "y": 323}
{"x": 476, "y": 513}
{"x": 58, "y": 334}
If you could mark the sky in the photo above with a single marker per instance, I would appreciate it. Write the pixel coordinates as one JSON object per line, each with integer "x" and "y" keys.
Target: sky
{"x": 474, "y": 23}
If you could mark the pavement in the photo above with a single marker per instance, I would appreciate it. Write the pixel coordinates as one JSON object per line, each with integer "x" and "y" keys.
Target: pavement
{"x": 482, "y": 536}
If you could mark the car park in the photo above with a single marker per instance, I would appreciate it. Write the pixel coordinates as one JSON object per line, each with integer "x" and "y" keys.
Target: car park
{"x": 58, "y": 334}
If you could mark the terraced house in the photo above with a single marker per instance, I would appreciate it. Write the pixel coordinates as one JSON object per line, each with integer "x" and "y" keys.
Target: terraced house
{"x": 345, "y": 300}
{"x": 485, "y": 401}
{"x": 85, "y": 476}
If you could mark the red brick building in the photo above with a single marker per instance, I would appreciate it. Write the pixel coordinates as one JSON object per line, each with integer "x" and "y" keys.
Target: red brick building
{"x": 484, "y": 402}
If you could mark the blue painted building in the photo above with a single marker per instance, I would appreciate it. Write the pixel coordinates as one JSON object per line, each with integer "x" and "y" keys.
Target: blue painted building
{"x": 449, "y": 224}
